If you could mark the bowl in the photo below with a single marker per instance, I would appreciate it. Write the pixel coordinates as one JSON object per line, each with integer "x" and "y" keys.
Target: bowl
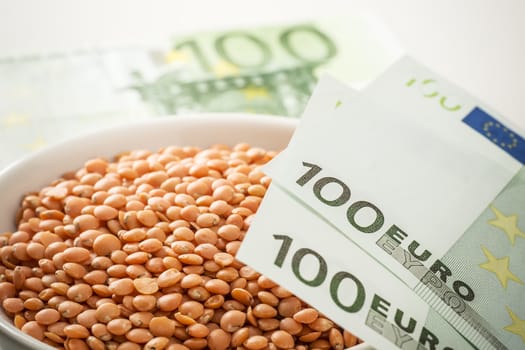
{"x": 203, "y": 130}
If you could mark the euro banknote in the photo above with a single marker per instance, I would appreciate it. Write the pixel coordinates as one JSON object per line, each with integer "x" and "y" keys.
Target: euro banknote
{"x": 307, "y": 254}
{"x": 270, "y": 70}
{"x": 427, "y": 180}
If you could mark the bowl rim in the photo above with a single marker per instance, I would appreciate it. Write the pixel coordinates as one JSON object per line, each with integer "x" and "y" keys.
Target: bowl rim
{"x": 82, "y": 147}
{"x": 159, "y": 121}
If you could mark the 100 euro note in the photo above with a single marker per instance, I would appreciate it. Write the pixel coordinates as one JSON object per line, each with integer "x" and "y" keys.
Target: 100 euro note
{"x": 298, "y": 249}
{"x": 271, "y": 70}
{"x": 430, "y": 183}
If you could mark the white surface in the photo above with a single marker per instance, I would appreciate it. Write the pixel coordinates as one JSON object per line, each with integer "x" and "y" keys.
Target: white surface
{"x": 478, "y": 44}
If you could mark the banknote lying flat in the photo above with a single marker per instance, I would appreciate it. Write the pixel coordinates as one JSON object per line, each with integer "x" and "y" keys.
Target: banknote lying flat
{"x": 430, "y": 183}
{"x": 271, "y": 70}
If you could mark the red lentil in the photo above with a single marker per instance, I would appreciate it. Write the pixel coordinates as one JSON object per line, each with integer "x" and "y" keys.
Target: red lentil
{"x": 140, "y": 253}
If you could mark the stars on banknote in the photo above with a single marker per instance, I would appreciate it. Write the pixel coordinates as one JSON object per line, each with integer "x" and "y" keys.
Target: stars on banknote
{"x": 15, "y": 120}
{"x": 255, "y": 92}
{"x": 517, "y": 326}
{"x": 173, "y": 56}
{"x": 224, "y": 68}
{"x": 509, "y": 224}
{"x": 498, "y": 131}
{"x": 36, "y": 144}
{"x": 500, "y": 267}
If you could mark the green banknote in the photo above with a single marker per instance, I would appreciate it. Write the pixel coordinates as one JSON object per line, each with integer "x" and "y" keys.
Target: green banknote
{"x": 271, "y": 70}
{"x": 313, "y": 260}
{"x": 428, "y": 181}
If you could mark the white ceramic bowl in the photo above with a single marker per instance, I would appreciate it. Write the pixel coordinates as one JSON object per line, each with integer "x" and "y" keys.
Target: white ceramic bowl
{"x": 39, "y": 169}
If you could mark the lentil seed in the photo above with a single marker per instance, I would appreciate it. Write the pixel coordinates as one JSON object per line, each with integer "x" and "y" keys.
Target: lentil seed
{"x": 214, "y": 302}
{"x": 307, "y": 315}
{"x": 76, "y": 331}
{"x": 13, "y": 305}
{"x": 33, "y": 329}
{"x": 105, "y": 244}
{"x": 33, "y": 304}
{"x": 184, "y": 319}
{"x": 321, "y": 324}
{"x": 282, "y": 339}
{"x": 256, "y": 342}
{"x": 94, "y": 343}
{"x": 162, "y": 326}
{"x": 242, "y": 295}
{"x": 264, "y": 311}
{"x": 119, "y": 326}
{"x": 217, "y": 286}
{"x": 157, "y": 343}
{"x": 79, "y": 292}
{"x": 141, "y": 319}
{"x": 218, "y": 339}
{"x": 70, "y": 309}
{"x": 100, "y": 331}
{"x": 139, "y": 335}
{"x": 146, "y": 285}
{"x": 240, "y": 336}
{"x": 232, "y": 320}
{"x": 169, "y": 302}
{"x": 47, "y": 316}
{"x": 107, "y": 312}
{"x": 268, "y": 324}
{"x": 87, "y": 318}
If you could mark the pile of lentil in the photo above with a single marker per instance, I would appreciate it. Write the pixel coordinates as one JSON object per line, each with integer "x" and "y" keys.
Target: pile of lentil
{"x": 139, "y": 253}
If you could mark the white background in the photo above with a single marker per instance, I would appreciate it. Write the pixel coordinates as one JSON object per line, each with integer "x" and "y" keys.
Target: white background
{"x": 478, "y": 44}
